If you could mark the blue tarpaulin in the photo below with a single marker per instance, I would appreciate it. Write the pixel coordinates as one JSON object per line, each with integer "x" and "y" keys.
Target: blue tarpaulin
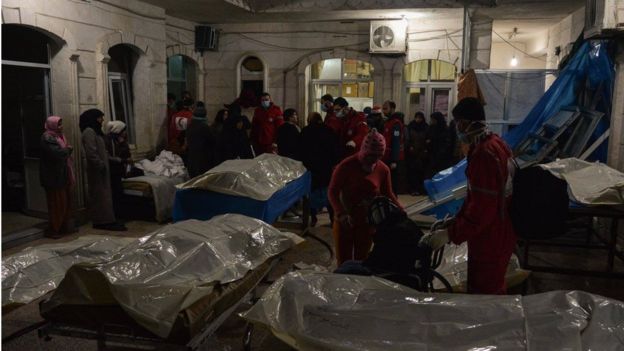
{"x": 592, "y": 68}
{"x": 205, "y": 204}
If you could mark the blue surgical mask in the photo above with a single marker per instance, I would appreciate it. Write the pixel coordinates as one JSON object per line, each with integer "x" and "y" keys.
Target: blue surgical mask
{"x": 340, "y": 113}
{"x": 266, "y": 104}
{"x": 323, "y": 108}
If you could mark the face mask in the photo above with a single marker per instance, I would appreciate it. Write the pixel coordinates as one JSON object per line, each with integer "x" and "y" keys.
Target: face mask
{"x": 266, "y": 104}
{"x": 340, "y": 113}
{"x": 469, "y": 137}
{"x": 323, "y": 108}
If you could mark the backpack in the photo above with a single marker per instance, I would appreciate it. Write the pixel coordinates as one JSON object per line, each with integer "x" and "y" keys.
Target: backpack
{"x": 539, "y": 204}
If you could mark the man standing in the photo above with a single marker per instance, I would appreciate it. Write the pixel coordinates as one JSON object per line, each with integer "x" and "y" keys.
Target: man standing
{"x": 388, "y": 108}
{"x": 483, "y": 221}
{"x": 393, "y": 132}
{"x": 354, "y": 127}
{"x": 176, "y": 132}
{"x": 333, "y": 122}
{"x": 266, "y": 119}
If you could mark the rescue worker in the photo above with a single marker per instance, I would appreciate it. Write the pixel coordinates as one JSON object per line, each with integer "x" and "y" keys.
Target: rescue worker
{"x": 388, "y": 108}
{"x": 354, "y": 127}
{"x": 376, "y": 118}
{"x": 483, "y": 221}
{"x": 182, "y": 117}
{"x": 327, "y": 106}
{"x": 266, "y": 119}
{"x": 394, "y": 134}
{"x": 356, "y": 181}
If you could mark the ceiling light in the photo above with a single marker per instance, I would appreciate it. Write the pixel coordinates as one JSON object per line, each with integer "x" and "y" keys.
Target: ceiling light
{"x": 514, "y": 61}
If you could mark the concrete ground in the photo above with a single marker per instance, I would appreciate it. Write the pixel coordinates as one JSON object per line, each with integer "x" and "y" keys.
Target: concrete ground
{"x": 229, "y": 335}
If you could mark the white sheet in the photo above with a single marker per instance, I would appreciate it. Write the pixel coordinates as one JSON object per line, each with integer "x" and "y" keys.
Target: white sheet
{"x": 163, "y": 189}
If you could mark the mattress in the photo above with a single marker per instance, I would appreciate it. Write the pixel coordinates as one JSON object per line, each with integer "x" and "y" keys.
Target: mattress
{"x": 189, "y": 322}
{"x": 136, "y": 188}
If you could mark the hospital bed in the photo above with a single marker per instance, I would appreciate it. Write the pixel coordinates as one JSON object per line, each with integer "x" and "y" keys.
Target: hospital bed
{"x": 149, "y": 197}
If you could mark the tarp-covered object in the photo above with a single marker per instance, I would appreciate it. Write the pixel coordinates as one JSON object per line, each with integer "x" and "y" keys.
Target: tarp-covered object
{"x": 454, "y": 268}
{"x": 590, "y": 63}
{"x": 163, "y": 273}
{"x": 163, "y": 192}
{"x": 166, "y": 164}
{"x": 589, "y": 183}
{"x": 257, "y": 178}
{"x": 322, "y": 311}
{"x": 35, "y": 271}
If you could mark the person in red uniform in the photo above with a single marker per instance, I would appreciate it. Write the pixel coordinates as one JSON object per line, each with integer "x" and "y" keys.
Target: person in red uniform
{"x": 354, "y": 127}
{"x": 333, "y": 122}
{"x": 483, "y": 221}
{"x": 356, "y": 181}
{"x": 174, "y": 142}
{"x": 266, "y": 119}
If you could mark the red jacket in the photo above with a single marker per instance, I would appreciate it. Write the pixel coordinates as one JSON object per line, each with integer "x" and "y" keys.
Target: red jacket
{"x": 264, "y": 128}
{"x": 395, "y": 140}
{"x": 334, "y": 123}
{"x": 354, "y": 129}
{"x": 173, "y": 132}
{"x": 351, "y": 190}
{"x": 483, "y": 221}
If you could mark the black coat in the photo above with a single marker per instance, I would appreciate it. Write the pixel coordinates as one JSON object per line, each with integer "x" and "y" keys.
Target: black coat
{"x": 289, "y": 141}
{"x": 201, "y": 145}
{"x": 439, "y": 148}
{"x": 234, "y": 140}
{"x": 319, "y": 153}
{"x": 53, "y": 168}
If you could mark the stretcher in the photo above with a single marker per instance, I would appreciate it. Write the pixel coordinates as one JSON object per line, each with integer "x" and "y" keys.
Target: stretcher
{"x": 149, "y": 197}
{"x": 112, "y": 327}
{"x": 262, "y": 188}
{"x": 323, "y": 311}
{"x": 173, "y": 287}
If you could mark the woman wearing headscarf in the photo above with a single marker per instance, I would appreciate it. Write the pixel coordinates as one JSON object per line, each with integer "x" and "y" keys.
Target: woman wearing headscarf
{"x": 98, "y": 172}
{"x": 201, "y": 144}
{"x": 356, "y": 181}
{"x": 234, "y": 140}
{"x": 56, "y": 174}
{"x": 118, "y": 159}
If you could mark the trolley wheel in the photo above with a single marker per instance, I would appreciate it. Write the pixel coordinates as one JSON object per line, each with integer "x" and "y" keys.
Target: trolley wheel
{"x": 247, "y": 337}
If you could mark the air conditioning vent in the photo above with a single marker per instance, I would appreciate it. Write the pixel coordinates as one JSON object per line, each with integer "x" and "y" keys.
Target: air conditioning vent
{"x": 206, "y": 38}
{"x": 388, "y": 37}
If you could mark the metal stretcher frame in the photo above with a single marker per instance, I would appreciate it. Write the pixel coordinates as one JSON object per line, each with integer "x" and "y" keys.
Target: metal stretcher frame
{"x": 124, "y": 336}
{"x": 609, "y": 244}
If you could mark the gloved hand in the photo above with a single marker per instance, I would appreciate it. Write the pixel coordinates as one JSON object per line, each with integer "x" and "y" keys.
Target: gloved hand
{"x": 435, "y": 240}
{"x": 351, "y": 143}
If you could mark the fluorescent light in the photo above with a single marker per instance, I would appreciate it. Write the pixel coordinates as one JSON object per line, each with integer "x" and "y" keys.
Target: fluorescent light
{"x": 514, "y": 62}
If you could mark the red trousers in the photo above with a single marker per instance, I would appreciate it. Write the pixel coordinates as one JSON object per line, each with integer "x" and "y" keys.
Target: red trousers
{"x": 59, "y": 209}
{"x": 487, "y": 277}
{"x": 352, "y": 243}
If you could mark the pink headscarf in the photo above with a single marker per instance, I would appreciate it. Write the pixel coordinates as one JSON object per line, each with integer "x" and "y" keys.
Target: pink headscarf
{"x": 374, "y": 145}
{"x": 52, "y": 128}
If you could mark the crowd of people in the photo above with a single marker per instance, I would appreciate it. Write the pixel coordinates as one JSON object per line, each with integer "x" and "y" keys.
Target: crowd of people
{"x": 354, "y": 157}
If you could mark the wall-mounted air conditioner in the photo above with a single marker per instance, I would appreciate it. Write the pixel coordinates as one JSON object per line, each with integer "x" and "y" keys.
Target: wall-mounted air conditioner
{"x": 388, "y": 37}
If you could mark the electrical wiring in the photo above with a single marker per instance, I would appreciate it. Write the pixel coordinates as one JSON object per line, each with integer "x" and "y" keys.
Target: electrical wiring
{"x": 298, "y": 48}
{"x": 515, "y": 47}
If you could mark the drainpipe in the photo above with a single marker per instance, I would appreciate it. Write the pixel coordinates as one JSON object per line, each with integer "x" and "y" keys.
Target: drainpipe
{"x": 466, "y": 39}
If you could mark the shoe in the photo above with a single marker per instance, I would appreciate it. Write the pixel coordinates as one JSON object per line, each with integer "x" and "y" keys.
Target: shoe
{"x": 313, "y": 221}
{"x": 115, "y": 227}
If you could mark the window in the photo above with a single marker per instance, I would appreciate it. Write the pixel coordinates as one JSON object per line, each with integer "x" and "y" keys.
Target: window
{"x": 181, "y": 76}
{"x": 120, "y": 70}
{"x": 430, "y": 87}
{"x": 351, "y": 79}
{"x": 252, "y": 78}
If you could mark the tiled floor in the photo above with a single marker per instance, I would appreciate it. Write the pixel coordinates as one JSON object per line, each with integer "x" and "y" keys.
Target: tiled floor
{"x": 229, "y": 336}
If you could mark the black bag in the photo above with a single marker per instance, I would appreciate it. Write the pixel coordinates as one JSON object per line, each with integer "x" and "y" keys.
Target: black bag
{"x": 396, "y": 247}
{"x": 539, "y": 204}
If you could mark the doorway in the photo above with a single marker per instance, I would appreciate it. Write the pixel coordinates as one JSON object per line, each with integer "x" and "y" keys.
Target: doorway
{"x": 429, "y": 87}
{"x": 25, "y": 107}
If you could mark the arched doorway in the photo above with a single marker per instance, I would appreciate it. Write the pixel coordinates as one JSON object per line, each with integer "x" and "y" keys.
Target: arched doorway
{"x": 349, "y": 78}
{"x": 429, "y": 87}
{"x": 26, "y": 104}
{"x": 123, "y": 60}
{"x": 252, "y": 78}
{"x": 181, "y": 76}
